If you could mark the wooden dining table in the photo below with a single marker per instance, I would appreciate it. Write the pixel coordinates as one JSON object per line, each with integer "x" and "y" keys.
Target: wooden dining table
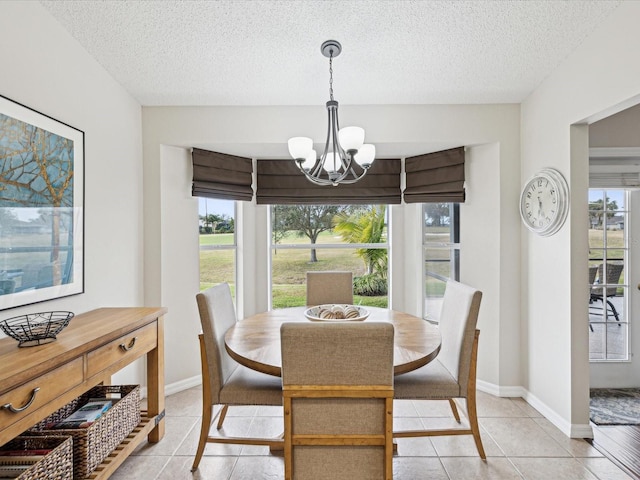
{"x": 255, "y": 341}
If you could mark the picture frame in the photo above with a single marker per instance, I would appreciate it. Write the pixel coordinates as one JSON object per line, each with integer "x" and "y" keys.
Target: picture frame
{"x": 41, "y": 207}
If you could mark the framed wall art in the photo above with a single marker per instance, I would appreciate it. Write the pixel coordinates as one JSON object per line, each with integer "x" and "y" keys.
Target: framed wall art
{"x": 41, "y": 207}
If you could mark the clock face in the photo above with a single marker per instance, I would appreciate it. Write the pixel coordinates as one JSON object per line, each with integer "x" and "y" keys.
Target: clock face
{"x": 544, "y": 202}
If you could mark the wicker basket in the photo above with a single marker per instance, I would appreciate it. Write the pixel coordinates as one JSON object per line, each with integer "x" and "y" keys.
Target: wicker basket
{"x": 93, "y": 444}
{"x": 56, "y": 464}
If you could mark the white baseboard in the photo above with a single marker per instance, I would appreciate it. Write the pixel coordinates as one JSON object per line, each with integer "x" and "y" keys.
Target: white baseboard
{"x": 498, "y": 391}
{"x": 176, "y": 387}
{"x": 569, "y": 429}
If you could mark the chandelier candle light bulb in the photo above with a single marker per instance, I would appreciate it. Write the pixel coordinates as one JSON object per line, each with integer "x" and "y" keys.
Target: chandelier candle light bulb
{"x": 344, "y": 148}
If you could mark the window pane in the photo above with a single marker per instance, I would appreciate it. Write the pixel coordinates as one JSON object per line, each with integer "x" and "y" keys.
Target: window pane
{"x": 615, "y": 231}
{"x": 616, "y": 200}
{"x": 216, "y": 266}
{"x": 217, "y": 221}
{"x": 608, "y": 342}
{"x": 441, "y": 249}
{"x": 333, "y": 229}
{"x": 437, "y": 223}
{"x": 217, "y": 242}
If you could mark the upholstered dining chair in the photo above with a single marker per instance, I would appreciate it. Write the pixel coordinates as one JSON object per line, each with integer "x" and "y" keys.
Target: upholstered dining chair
{"x": 329, "y": 287}
{"x": 224, "y": 382}
{"x": 338, "y": 400}
{"x": 453, "y": 373}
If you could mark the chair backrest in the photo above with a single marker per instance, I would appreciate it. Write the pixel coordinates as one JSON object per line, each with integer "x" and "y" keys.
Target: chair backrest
{"x": 338, "y": 400}
{"x": 217, "y": 315}
{"x": 329, "y": 287}
{"x": 614, "y": 270}
{"x": 458, "y": 319}
{"x": 593, "y": 271}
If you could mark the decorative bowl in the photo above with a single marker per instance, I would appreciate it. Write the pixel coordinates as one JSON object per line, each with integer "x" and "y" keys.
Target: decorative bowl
{"x": 336, "y": 313}
{"x": 36, "y": 328}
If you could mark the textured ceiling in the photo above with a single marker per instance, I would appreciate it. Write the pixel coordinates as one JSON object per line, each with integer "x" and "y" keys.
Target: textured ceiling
{"x": 268, "y": 52}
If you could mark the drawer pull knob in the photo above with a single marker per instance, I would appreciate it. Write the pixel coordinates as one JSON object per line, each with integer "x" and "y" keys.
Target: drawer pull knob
{"x": 126, "y": 348}
{"x": 13, "y": 409}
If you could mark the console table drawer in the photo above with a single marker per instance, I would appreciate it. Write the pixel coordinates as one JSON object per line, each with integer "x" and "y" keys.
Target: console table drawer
{"x": 126, "y": 348}
{"x": 25, "y": 399}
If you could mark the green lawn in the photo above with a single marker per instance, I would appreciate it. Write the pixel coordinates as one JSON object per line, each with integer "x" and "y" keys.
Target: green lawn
{"x": 289, "y": 268}
{"x": 216, "y": 239}
{"x": 615, "y": 242}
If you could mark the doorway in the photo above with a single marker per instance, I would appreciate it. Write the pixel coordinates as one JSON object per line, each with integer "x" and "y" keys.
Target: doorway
{"x": 614, "y": 250}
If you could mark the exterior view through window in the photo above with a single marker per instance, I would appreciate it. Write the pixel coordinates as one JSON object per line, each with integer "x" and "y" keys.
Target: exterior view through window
{"x": 441, "y": 250}
{"x": 217, "y": 243}
{"x": 608, "y": 250}
{"x": 329, "y": 237}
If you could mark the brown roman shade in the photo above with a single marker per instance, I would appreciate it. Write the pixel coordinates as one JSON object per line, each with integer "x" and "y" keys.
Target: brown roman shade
{"x": 281, "y": 183}
{"x": 217, "y": 175}
{"x": 435, "y": 177}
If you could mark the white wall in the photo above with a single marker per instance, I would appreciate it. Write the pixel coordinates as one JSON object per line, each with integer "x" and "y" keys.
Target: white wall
{"x": 45, "y": 69}
{"x": 598, "y": 79}
{"x": 180, "y": 266}
{"x": 491, "y": 132}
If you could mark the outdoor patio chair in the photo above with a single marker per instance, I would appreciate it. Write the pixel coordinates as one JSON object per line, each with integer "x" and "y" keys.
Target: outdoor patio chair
{"x": 593, "y": 271}
{"x": 224, "y": 382}
{"x": 338, "y": 400}
{"x": 602, "y": 294}
{"x": 453, "y": 373}
{"x": 329, "y": 287}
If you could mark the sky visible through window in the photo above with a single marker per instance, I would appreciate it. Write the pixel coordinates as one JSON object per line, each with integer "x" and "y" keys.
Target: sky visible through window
{"x": 210, "y": 205}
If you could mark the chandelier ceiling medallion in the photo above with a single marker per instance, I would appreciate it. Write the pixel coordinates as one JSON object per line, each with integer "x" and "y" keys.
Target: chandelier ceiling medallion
{"x": 343, "y": 148}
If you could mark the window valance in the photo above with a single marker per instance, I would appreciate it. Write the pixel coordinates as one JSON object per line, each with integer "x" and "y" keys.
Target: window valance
{"x": 218, "y": 175}
{"x": 435, "y": 177}
{"x": 281, "y": 183}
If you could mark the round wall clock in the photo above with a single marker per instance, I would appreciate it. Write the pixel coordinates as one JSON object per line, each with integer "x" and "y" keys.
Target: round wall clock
{"x": 544, "y": 202}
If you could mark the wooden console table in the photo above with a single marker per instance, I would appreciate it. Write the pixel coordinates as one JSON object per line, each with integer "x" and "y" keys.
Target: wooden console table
{"x": 36, "y": 381}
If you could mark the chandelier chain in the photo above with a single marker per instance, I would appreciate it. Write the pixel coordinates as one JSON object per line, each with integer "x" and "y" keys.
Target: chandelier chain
{"x": 331, "y": 76}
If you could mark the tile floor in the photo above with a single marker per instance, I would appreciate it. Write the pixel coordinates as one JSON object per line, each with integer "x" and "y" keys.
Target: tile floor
{"x": 519, "y": 442}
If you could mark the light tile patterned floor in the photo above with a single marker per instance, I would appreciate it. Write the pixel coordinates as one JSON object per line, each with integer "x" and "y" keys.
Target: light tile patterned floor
{"x": 519, "y": 442}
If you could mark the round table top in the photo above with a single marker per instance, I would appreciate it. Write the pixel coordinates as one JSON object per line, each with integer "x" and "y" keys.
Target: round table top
{"x": 255, "y": 341}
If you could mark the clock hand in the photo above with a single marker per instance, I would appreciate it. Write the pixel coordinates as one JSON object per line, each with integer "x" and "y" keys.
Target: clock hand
{"x": 540, "y": 212}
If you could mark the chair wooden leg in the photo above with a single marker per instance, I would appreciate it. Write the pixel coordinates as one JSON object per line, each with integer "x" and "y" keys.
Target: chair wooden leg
{"x": 204, "y": 434}
{"x": 473, "y": 423}
{"x": 288, "y": 447}
{"x": 223, "y": 414}
{"x": 454, "y": 409}
{"x": 472, "y": 411}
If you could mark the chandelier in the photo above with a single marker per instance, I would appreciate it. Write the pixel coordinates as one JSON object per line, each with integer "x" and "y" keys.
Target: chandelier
{"x": 343, "y": 147}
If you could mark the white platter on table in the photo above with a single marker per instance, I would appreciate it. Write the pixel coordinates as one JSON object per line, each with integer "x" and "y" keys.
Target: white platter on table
{"x": 317, "y": 313}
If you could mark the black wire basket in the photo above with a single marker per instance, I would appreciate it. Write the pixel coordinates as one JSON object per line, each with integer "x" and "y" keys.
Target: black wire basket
{"x": 36, "y": 328}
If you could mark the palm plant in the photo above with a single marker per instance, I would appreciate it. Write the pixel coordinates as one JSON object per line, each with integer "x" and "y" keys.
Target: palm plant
{"x": 365, "y": 226}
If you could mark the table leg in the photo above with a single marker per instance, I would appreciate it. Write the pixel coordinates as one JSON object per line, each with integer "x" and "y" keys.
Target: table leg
{"x": 155, "y": 385}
